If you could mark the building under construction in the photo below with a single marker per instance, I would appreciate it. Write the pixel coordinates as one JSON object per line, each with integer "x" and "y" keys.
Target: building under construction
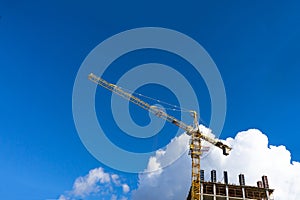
{"x": 213, "y": 190}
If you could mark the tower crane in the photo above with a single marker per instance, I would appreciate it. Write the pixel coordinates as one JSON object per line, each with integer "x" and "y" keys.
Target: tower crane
{"x": 192, "y": 130}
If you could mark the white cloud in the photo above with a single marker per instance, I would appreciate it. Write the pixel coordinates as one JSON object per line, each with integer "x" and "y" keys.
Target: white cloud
{"x": 115, "y": 179}
{"x": 97, "y": 182}
{"x": 84, "y": 186}
{"x": 126, "y": 188}
{"x": 251, "y": 155}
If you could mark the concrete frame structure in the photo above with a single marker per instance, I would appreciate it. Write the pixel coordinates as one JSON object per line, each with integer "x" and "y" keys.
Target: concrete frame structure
{"x": 210, "y": 190}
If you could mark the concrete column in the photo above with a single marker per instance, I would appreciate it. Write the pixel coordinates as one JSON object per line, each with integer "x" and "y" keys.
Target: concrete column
{"x": 227, "y": 193}
{"x": 215, "y": 192}
{"x": 201, "y": 191}
{"x": 244, "y": 195}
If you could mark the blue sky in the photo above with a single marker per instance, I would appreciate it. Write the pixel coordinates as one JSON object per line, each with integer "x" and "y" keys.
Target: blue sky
{"x": 42, "y": 45}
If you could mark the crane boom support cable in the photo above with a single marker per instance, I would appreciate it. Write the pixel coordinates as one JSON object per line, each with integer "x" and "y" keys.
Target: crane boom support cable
{"x": 172, "y": 106}
{"x": 153, "y": 109}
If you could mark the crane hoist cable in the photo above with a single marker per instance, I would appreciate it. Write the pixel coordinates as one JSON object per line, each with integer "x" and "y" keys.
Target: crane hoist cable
{"x": 193, "y": 131}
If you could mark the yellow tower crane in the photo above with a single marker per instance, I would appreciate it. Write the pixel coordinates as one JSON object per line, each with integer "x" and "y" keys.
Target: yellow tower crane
{"x": 193, "y": 131}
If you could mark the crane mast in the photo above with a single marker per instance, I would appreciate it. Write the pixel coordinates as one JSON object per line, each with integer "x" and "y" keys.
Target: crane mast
{"x": 193, "y": 131}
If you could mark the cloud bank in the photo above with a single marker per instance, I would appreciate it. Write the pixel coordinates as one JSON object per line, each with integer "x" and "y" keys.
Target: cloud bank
{"x": 251, "y": 155}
